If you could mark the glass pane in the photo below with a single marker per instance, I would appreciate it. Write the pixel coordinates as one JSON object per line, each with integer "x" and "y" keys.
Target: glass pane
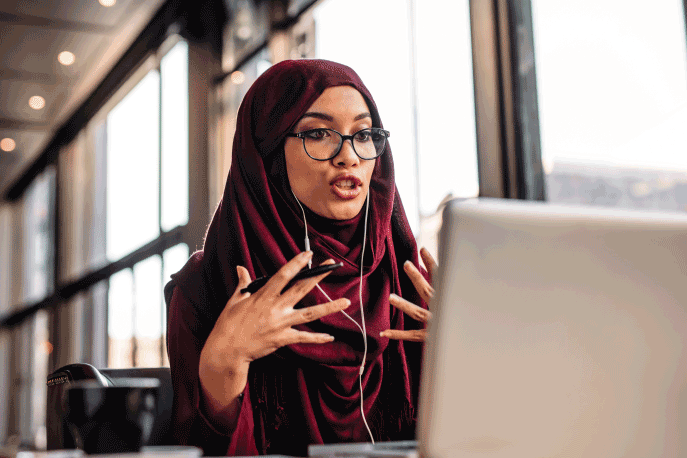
{"x": 233, "y": 90}
{"x": 38, "y": 236}
{"x": 248, "y": 27}
{"x": 612, "y": 79}
{"x": 148, "y": 312}
{"x": 174, "y": 80}
{"x": 39, "y": 393}
{"x": 21, "y": 398}
{"x": 5, "y": 380}
{"x": 120, "y": 320}
{"x": 133, "y": 168}
{"x": 97, "y": 316}
{"x": 447, "y": 145}
{"x": 173, "y": 260}
{"x": 98, "y": 252}
{"x": 28, "y": 370}
{"x": 6, "y": 244}
{"x": 76, "y": 206}
{"x": 386, "y": 71}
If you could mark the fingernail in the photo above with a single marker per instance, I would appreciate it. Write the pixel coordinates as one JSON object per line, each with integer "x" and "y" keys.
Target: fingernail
{"x": 331, "y": 338}
{"x": 382, "y": 334}
{"x": 407, "y": 264}
{"x": 306, "y": 254}
{"x": 393, "y": 296}
{"x": 347, "y": 303}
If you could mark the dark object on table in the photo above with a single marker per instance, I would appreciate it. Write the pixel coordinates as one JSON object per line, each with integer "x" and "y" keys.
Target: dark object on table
{"x": 59, "y": 437}
{"x": 162, "y": 433}
{"x": 112, "y": 419}
{"x": 59, "y": 381}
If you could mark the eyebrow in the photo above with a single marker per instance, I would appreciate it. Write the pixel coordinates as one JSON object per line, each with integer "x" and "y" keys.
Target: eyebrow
{"x": 326, "y": 117}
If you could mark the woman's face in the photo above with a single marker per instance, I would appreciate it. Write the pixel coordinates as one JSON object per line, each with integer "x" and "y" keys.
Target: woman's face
{"x": 336, "y": 188}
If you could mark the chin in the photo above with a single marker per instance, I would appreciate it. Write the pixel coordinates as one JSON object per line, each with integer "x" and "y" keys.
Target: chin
{"x": 346, "y": 211}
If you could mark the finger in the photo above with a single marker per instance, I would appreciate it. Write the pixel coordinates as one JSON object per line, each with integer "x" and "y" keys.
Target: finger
{"x": 421, "y": 285}
{"x": 429, "y": 262}
{"x": 244, "y": 280}
{"x": 302, "y": 287}
{"x": 286, "y": 273}
{"x": 294, "y": 336}
{"x": 315, "y": 312}
{"x": 413, "y": 335}
{"x": 410, "y": 309}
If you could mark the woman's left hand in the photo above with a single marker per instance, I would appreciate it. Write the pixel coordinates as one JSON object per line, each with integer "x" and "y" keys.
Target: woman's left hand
{"x": 424, "y": 288}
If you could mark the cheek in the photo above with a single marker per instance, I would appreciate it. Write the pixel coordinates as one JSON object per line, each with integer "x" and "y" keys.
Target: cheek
{"x": 295, "y": 168}
{"x": 304, "y": 174}
{"x": 369, "y": 170}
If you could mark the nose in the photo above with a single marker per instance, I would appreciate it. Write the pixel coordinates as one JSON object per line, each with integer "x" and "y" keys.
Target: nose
{"x": 346, "y": 156}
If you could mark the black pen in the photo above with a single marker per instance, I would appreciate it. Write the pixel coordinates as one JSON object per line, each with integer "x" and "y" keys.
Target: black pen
{"x": 305, "y": 273}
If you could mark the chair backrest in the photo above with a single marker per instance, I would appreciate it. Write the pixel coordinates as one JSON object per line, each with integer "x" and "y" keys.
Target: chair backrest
{"x": 58, "y": 435}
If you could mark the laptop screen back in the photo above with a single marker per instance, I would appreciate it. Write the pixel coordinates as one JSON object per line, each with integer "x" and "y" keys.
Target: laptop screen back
{"x": 557, "y": 331}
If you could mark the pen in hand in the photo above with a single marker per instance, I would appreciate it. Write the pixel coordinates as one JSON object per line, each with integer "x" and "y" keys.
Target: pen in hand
{"x": 258, "y": 283}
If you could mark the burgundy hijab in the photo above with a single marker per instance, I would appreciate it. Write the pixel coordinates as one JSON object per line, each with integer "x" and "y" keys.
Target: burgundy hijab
{"x": 300, "y": 394}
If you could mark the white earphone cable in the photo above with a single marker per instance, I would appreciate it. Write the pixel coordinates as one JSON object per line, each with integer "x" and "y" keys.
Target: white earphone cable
{"x": 362, "y": 328}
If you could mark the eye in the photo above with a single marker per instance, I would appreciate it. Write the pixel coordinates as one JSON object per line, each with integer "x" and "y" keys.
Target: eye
{"x": 316, "y": 134}
{"x": 363, "y": 136}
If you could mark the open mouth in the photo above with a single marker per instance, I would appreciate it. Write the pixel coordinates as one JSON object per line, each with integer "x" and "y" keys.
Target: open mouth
{"x": 347, "y": 187}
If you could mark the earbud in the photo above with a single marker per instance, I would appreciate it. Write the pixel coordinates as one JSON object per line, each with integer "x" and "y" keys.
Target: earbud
{"x": 305, "y": 221}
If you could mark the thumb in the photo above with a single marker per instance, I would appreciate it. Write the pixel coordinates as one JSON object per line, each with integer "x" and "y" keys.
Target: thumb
{"x": 244, "y": 280}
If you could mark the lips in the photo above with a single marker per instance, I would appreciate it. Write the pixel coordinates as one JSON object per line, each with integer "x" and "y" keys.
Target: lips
{"x": 346, "y": 186}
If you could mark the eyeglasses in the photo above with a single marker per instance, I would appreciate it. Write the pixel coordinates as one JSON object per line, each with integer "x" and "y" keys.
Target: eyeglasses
{"x": 325, "y": 144}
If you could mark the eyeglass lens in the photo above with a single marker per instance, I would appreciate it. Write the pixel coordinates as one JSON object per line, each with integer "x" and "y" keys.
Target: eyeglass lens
{"x": 325, "y": 144}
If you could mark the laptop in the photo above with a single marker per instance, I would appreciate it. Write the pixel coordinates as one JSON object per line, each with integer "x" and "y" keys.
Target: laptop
{"x": 558, "y": 331}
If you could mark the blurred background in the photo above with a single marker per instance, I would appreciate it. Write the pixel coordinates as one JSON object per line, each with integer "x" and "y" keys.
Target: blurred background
{"x": 117, "y": 118}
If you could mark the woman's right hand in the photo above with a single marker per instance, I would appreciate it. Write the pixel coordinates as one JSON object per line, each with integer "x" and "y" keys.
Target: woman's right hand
{"x": 254, "y": 325}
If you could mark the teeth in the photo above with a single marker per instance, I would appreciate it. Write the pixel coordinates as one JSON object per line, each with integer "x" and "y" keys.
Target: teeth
{"x": 345, "y": 184}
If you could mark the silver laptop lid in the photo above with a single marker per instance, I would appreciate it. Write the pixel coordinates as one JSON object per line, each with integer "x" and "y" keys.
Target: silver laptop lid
{"x": 557, "y": 331}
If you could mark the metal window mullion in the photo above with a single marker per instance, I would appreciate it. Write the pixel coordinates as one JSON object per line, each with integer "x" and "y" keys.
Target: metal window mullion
{"x": 506, "y": 114}
{"x": 134, "y": 304}
{"x": 511, "y": 177}
{"x": 412, "y": 26}
{"x": 159, "y": 201}
{"x": 487, "y": 98}
{"x": 525, "y": 96}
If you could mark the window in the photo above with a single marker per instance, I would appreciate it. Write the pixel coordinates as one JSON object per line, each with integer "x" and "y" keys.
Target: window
{"x": 612, "y": 79}
{"x": 147, "y": 194}
{"x": 32, "y": 242}
{"x": 174, "y": 164}
{"x": 229, "y": 96}
{"x": 120, "y": 219}
{"x": 415, "y": 58}
{"x": 133, "y": 162}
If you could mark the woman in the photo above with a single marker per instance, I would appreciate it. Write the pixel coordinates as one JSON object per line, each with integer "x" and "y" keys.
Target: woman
{"x": 277, "y": 370}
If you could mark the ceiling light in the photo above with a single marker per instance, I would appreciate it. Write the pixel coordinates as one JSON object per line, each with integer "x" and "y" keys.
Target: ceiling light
{"x": 237, "y": 77}
{"x": 47, "y": 347}
{"x": 244, "y": 32}
{"x": 66, "y": 58}
{"x": 36, "y": 102}
{"x": 7, "y": 144}
{"x": 107, "y": 3}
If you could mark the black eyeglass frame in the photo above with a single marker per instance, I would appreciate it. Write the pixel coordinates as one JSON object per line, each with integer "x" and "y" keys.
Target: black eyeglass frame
{"x": 302, "y": 135}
